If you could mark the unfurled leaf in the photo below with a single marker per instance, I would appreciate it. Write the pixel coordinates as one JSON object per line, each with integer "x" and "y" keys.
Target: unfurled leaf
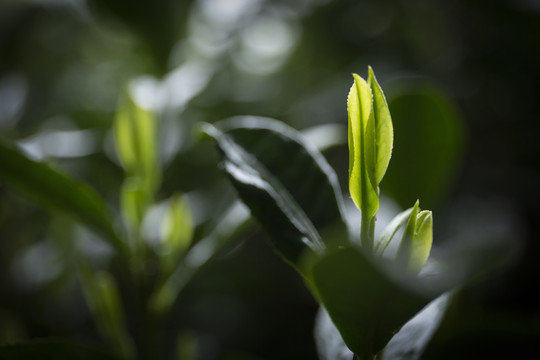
{"x": 366, "y": 304}
{"x": 408, "y": 343}
{"x": 56, "y": 191}
{"x": 288, "y": 186}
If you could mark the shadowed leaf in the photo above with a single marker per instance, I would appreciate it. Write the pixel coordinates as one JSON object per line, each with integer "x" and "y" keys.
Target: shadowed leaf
{"x": 56, "y": 191}
{"x": 288, "y": 186}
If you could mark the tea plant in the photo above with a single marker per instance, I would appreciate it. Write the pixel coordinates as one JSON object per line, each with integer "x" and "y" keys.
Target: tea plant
{"x": 152, "y": 274}
{"x": 369, "y": 294}
{"x": 293, "y": 193}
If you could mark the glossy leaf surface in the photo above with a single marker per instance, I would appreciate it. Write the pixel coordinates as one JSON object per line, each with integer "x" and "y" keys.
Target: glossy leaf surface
{"x": 56, "y": 191}
{"x": 288, "y": 186}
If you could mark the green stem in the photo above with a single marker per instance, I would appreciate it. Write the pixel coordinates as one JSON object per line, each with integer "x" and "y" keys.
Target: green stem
{"x": 367, "y": 233}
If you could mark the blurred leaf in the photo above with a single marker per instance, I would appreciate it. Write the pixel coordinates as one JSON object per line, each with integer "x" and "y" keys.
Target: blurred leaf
{"x": 408, "y": 343}
{"x": 159, "y": 24}
{"x": 415, "y": 245}
{"x": 133, "y": 201}
{"x": 288, "y": 186}
{"x": 54, "y": 350}
{"x": 233, "y": 222}
{"x": 135, "y": 134}
{"x": 412, "y": 339}
{"x": 330, "y": 344}
{"x": 429, "y": 139}
{"x": 102, "y": 295}
{"x": 55, "y": 190}
{"x": 366, "y": 304}
{"x": 177, "y": 230}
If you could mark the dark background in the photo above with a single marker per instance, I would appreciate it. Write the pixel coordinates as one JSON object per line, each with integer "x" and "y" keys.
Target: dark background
{"x": 63, "y": 65}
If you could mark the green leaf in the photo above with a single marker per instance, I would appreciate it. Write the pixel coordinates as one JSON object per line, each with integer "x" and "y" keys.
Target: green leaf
{"x": 412, "y": 339}
{"x": 288, "y": 186}
{"x": 135, "y": 135}
{"x": 408, "y": 343}
{"x": 56, "y": 191}
{"x": 381, "y": 137}
{"x": 177, "y": 230}
{"x": 429, "y": 133}
{"x": 133, "y": 202}
{"x": 359, "y": 108}
{"x": 54, "y": 349}
{"x": 103, "y": 298}
{"x": 234, "y": 221}
{"x": 416, "y": 243}
{"x": 366, "y": 304}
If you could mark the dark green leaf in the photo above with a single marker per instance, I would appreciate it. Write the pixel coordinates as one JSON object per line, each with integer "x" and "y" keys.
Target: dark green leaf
{"x": 410, "y": 342}
{"x": 288, "y": 186}
{"x": 367, "y": 304}
{"x": 428, "y": 141}
{"x": 104, "y": 301}
{"x": 55, "y": 190}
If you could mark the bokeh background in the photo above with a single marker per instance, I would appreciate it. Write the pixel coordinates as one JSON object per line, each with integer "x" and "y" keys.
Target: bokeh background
{"x": 462, "y": 81}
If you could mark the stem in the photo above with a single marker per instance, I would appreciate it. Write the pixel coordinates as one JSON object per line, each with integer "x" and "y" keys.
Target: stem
{"x": 367, "y": 233}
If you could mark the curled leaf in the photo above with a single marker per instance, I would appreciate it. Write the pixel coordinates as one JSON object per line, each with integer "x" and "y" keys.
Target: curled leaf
{"x": 370, "y": 142}
{"x": 416, "y": 243}
{"x": 135, "y": 135}
{"x": 177, "y": 230}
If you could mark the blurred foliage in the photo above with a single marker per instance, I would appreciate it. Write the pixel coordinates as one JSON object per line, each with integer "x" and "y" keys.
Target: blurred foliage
{"x": 65, "y": 65}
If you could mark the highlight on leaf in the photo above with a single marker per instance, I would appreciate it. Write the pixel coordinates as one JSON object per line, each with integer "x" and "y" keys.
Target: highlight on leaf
{"x": 135, "y": 137}
{"x": 370, "y": 147}
{"x": 370, "y": 141}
